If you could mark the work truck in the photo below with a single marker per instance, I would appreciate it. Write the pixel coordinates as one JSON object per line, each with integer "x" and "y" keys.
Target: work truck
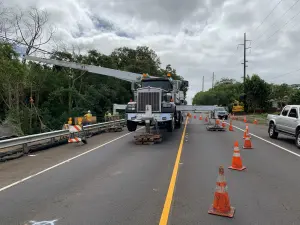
{"x": 161, "y": 95}
{"x": 287, "y": 123}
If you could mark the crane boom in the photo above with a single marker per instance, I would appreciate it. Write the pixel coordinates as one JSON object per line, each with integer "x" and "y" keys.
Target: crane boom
{"x": 123, "y": 75}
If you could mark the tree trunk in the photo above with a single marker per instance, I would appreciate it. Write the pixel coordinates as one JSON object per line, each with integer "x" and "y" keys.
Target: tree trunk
{"x": 30, "y": 113}
{"x": 70, "y": 97}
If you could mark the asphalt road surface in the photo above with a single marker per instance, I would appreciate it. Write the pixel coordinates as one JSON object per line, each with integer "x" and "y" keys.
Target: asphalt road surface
{"x": 113, "y": 181}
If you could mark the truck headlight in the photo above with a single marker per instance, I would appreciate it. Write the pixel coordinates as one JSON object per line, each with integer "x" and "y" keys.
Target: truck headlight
{"x": 166, "y": 105}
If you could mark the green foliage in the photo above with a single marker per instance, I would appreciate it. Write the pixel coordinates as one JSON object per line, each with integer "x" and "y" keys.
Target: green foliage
{"x": 60, "y": 93}
{"x": 295, "y": 98}
{"x": 224, "y": 93}
{"x": 258, "y": 94}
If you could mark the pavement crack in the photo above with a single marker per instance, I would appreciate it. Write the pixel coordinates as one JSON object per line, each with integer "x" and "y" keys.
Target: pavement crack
{"x": 284, "y": 206}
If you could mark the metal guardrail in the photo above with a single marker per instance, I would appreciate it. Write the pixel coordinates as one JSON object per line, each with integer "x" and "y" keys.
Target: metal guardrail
{"x": 49, "y": 135}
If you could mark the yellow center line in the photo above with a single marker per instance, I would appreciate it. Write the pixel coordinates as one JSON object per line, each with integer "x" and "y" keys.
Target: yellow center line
{"x": 167, "y": 206}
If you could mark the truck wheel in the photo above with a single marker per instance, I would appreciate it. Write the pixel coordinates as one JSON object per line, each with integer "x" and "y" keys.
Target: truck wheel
{"x": 178, "y": 123}
{"x": 272, "y": 131}
{"x": 131, "y": 126}
{"x": 171, "y": 125}
{"x": 298, "y": 139}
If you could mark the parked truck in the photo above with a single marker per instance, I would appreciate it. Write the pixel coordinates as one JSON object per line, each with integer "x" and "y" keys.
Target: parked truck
{"x": 286, "y": 123}
{"x": 164, "y": 95}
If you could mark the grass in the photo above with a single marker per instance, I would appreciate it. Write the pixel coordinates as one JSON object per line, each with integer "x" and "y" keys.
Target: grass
{"x": 261, "y": 118}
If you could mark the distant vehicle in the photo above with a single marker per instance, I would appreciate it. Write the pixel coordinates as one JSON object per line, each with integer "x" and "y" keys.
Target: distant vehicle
{"x": 221, "y": 112}
{"x": 287, "y": 123}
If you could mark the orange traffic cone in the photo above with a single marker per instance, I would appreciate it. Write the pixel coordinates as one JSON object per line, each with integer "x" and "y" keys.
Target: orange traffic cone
{"x": 247, "y": 143}
{"x": 223, "y": 123}
{"x": 246, "y": 132}
{"x": 245, "y": 119}
{"x": 255, "y": 121}
{"x": 221, "y": 205}
{"x": 236, "y": 163}
{"x": 217, "y": 122}
{"x": 230, "y": 126}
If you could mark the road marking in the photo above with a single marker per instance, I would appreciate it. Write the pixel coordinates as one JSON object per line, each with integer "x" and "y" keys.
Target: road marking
{"x": 167, "y": 206}
{"x": 278, "y": 146}
{"x": 61, "y": 163}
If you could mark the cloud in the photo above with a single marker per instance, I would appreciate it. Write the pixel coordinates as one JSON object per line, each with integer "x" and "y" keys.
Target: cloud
{"x": 197, "y": 37}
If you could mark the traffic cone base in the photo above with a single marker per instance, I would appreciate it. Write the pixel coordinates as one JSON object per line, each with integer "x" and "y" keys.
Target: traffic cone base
{"x": 247, "y": 143}
{"x": 228, "y": 214}
{"x": 239, "y": 169}
{"x": 221, "y": 204}
{"x": 247, "y": 147}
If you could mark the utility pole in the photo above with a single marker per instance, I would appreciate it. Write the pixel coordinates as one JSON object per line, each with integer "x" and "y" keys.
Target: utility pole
{"x": 245, "y": 64}
{"x": 213, "y": 80}
{"x": 202, "y": 83}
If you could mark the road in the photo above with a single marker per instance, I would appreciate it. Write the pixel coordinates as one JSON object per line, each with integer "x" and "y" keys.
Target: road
{"x": 113, "y": 181}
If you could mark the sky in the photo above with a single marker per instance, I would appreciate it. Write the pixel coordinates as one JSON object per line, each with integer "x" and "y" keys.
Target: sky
{"x": 197, "y": 37}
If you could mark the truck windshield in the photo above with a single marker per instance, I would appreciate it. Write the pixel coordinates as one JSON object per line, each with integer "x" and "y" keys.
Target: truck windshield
{"x": 165, "y": 85}
{"x": 220, "y": 109}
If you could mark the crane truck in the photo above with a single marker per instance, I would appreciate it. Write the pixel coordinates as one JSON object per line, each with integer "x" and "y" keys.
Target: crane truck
{"x": 158, "y": 101}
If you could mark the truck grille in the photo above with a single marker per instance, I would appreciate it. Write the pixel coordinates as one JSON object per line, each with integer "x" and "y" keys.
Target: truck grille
{"x": 148, "y": 98}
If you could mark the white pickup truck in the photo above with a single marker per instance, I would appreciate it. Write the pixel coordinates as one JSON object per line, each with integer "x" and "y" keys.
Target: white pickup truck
{"x": 287, "y": 123}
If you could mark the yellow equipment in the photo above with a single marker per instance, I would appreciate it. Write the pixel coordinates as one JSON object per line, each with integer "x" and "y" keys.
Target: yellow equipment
{"x": 237, "y": 107}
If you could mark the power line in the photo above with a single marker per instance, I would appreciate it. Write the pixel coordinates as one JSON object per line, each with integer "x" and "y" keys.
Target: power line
{"x": 268, "y": 15}
{"x": 279, "y": 18}
{"x": 281, "y": 27}
{"x": 286, "y": 73}
{"x": 42, "y": 50}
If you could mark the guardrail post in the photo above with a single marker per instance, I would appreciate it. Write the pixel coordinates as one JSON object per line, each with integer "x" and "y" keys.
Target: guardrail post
{"x": 52, "y": 141}
{"x": 25, "y": 148}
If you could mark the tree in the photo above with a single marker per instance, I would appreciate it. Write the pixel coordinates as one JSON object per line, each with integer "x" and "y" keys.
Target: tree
{"x": 224, "y": 93}
{"x": 32, "y": 29}
{"x": 205, "y": 98}
{"x": 257, "y": 92}
{"x": 6, "y": 26}
{"x": 281, "y": 93}
{"x": 295, "y": 98}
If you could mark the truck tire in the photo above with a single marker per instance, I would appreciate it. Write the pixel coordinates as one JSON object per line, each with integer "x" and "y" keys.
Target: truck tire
{"x": 272, "y": 131}
{"x": 131, "y": 125}
{"x": 179, "y": 121}
{"x": 171, "y": 125}
{"x": 297, "y": 141}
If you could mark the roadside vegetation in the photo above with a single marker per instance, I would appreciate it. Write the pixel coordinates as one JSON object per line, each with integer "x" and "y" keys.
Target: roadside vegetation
{"x": 261, "y": 97}
{"x": 37, "y": 98}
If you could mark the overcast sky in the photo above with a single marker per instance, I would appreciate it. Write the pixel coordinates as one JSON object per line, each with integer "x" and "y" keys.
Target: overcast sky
{"x": 197, "y": 37}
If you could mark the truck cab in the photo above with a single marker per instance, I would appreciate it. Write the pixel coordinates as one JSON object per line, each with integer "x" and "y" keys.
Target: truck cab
{"x": 163, "y": 94}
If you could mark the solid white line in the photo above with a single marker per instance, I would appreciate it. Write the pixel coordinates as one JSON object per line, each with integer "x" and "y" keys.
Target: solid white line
{"x": 278, "y": 146}
{"x": 61, "y": 163}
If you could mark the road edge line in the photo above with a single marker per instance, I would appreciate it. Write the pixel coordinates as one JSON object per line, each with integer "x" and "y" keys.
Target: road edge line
{"x": 61, "y": 163}
{"x": 276, "y": 145}
{"x": 169, "y": 197}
